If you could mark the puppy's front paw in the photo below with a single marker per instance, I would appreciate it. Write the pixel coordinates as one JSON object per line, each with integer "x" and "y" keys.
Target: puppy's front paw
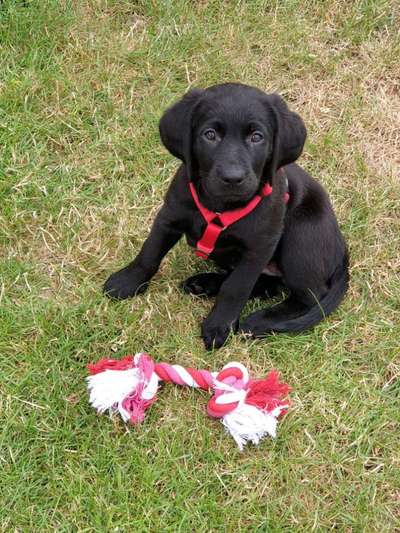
{"x": 214, "y": 335}
{"x": 124, "y": 284}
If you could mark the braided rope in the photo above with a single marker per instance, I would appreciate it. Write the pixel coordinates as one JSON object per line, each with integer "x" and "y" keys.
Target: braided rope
{"x": 130, "y": 386}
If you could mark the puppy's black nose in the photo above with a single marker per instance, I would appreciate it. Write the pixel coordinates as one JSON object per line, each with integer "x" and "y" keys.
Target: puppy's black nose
{"x": 233, "y": 177}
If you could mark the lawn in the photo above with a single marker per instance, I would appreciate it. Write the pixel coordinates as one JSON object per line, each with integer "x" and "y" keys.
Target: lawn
{"x": 83, "y": 172}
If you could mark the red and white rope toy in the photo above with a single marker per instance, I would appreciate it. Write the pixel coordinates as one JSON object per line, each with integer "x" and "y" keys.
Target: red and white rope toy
{"x": 248, "y": 408}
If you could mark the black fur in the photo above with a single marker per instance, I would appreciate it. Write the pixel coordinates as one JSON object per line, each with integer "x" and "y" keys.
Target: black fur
{"x": 231, "y": 139}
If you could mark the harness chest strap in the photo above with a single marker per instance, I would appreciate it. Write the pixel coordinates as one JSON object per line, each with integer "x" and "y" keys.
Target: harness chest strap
{"x": 218, "y": 222}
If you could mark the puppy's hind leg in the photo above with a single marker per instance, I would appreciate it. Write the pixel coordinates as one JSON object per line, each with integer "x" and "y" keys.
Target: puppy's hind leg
{"x": 206, "y": 284}
{"x": 266, "y": 287}
{"x": 302, "y": 310}
{"x": 209, "y": 283}
{"x": 277, "y": 318}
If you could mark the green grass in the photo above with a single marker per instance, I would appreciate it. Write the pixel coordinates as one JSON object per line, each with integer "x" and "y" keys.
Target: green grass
{"x": 82, "y": 87}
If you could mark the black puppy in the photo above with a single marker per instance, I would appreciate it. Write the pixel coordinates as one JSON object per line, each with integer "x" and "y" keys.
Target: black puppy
{"x": 236, "y": 144}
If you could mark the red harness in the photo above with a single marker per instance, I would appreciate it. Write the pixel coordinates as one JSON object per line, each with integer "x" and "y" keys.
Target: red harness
{"x": 218, "y": 222}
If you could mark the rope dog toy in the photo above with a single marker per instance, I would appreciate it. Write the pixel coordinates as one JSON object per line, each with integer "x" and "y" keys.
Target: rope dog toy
{"x": 248, "y": 408}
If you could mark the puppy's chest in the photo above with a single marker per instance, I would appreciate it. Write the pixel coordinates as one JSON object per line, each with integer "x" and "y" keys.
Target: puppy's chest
{"x": 228, "y": 247}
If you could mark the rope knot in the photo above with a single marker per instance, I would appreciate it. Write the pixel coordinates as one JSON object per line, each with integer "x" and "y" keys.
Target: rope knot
{"x": 144, "y": 395}
{"x": 230, "y": 386}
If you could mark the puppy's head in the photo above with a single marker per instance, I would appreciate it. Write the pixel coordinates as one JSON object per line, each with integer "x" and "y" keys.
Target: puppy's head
{"x": 232, "y": 138}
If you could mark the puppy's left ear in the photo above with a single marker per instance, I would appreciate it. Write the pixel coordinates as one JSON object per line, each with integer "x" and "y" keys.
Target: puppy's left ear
{"x": 175, "y": 126}
{"x": 290, "y": 135}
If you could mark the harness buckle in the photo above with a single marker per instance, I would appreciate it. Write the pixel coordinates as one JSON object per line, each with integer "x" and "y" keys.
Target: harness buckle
{"x": 202, "y": 255}
{"x": 206, "y": 244}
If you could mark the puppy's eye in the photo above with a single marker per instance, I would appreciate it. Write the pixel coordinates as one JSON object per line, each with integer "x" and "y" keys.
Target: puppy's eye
{"x": 256, "y": 137}
{"x": 210, "y": 135}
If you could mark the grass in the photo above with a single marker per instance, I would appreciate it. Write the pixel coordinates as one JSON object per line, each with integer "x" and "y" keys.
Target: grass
{"x": 82, "y": 87}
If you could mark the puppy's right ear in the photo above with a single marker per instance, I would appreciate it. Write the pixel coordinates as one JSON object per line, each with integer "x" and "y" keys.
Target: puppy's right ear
{"x": 175, "y": 126}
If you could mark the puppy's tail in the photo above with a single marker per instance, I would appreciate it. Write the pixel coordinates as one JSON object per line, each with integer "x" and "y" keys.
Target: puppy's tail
{"x": 322, "y": 308}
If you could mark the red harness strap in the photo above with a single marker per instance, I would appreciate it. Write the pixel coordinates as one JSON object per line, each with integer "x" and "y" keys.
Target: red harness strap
{"x": 218, "y": 222}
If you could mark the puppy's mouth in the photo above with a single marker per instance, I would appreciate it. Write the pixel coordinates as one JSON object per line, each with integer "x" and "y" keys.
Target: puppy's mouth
{"x": 240, "y": 196}
{"x": 226, "y": 199}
